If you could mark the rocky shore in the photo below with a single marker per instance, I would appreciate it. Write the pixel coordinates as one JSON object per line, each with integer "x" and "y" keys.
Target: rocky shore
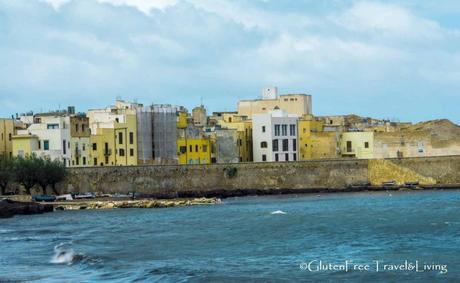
{"x": 142, "y": 203}
{"x": 9, "y": 208}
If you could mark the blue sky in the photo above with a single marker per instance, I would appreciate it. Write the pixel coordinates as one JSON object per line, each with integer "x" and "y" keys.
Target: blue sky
{"x": 385, "y": 59}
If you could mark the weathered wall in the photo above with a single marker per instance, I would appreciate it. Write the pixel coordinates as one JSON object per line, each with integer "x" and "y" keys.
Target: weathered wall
{"x": 260, "y": 177}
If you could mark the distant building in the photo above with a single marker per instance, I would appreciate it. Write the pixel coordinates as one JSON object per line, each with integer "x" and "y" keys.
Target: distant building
{"x": 357, "y": 144}
{"x": 7, "y": 131}
{"x": 314, "y": 141}
{"x": 157, "y": 134}
{"x": 299, "y": 104}
{"x": 48, "y": 137}
{"x": 275, "y": 136}
{"x": 193, "y": 146}
{"x": 114, "y": 134}
{"x": 80, "y": 134}
{"x": 199, "y": 116}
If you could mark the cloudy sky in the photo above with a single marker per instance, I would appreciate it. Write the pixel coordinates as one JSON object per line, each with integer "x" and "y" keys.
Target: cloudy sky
{"x": 386, "y": 59}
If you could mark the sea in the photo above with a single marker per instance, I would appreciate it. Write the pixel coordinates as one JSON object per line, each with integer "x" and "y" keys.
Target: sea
{"x": 402, "y": 236}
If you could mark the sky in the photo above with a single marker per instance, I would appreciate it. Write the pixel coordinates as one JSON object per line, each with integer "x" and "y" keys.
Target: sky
{"x": 396, "y": 60}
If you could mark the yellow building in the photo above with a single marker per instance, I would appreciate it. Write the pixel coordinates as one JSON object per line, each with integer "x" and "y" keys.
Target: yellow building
{"x": 314, "y": 143}
{"x": 6, "y": 137}
{"x": 182, "y": 120}
{"x": 299, "y": 104}
{"x": 357, "y": 144}
{"x": 243, "y": 126}
{"x": 80, "y": 141}
{"x": 24, "y": 145}
{"x": 194, "y": 150}
{"x": 113, "y": 135}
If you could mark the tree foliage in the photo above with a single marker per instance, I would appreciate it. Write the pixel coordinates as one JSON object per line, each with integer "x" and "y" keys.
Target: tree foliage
{"x": 32, "y": 170}
{"x": 6, "y": 173}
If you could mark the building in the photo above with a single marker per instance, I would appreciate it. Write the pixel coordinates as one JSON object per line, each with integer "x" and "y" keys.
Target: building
{"x": 243, "y": 127}
{"x": 157, "y": 133}
{"x": 193, "y": 146}
{"x": 299, "y": 104}
{"x": 47, "y": 137}
{"x": 7, "y": 129}
{"x": 114, "y": 134}
{"x": 199, "y": 116}
{"x": 316, "y": 140}
{"x": 275, "y": 136}
{"x": 357, "y": 144}
{"x": 227, "y": 146}
{"x": 80, "y": 140}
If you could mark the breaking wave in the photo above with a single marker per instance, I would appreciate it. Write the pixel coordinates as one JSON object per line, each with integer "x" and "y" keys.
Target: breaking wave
{"x": 278, "y": 212}
{"x": 64, "y": 254}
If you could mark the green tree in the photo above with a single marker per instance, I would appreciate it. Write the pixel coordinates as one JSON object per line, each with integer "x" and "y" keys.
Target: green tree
{"x": 27, "y": 171}
{"x": 56, "y": 173}
{"x": 43, "y": 168}
{"x": 6, "y": 173}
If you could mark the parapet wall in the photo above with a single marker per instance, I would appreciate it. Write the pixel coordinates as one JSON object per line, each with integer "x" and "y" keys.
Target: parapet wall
{"x": 234, "y": 179}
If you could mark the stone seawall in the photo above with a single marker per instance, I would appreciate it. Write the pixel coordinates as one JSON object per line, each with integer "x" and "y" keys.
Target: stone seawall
{"x": 260, "y": 178}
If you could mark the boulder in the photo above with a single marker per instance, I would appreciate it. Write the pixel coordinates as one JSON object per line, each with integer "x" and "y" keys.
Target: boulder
{"x": 9, "y": 208}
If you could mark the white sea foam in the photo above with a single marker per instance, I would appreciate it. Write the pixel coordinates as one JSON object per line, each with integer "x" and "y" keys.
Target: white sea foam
{"x": 63, "y": 254}
{"x": 278, "y": 212}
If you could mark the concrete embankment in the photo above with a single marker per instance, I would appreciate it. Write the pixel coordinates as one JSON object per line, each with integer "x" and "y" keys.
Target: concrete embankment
{"x": 224, "y": 180}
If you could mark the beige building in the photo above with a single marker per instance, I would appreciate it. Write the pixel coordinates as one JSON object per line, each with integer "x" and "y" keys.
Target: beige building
{"x": 298, "y": 104}
{"x": 357, "y": 144}
{"x": 199, "y": 116}
{"x": 7, "y": 129}
{"x": 80, "y": 140}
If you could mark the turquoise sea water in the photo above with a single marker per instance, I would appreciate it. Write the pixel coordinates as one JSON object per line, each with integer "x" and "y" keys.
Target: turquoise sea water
{"x": 258, "y": 239}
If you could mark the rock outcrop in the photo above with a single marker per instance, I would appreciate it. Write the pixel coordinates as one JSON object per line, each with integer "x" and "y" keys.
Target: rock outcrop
{"x": 9, "y": 208}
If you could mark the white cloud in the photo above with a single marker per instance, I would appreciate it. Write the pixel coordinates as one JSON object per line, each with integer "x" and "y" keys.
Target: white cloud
{"x": 56, "y": 4}
{"x": 387, "y": 20}
{"x": 145, "y": 6}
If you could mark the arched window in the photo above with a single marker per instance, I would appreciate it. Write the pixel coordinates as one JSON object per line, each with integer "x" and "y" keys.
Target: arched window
{"x": 263, "y": 144}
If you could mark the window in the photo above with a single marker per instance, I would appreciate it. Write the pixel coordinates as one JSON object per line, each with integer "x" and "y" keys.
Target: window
{"x": 196, "y": 148}
{"x": 263, "y": 144}
{"x": 349, "y": 147}
{"x": 106, "y": 159}
{"x": 84, "y": 160}
{"x": 205, "y": 148}
{"x": 106, "y": 150}
{"x": 366, "y": 144}
{"x": 286, "y": 157}
{"x": 120, "y": 138}
{"x": 95, "y": 161}
{"x": 294, "y": 145}
{"x": 46, "y": 145}
{"x": 294, "y": 157}
{"x": 77, "y": 161}
{"x": 117, "y": 120}
{"x": 131, "y": 138}
{"x": 230, "y": 119}
{"x": 277, "y": 130}
{"x": 183, "y": 149}
{"x": 284, "y": 130}
{"x": 190, "y": 148}
{"x": 275, "y": 145}
{"x": 131, "y": 152}
{"x": 83, "y": 127}
{"x": 95, "y": 147}
{"x": 9, "y": 136}
{"x": 84, "y": 147}
{"x": 292, "y": 130}
{"x": 39, "y": 145}
{"x": 264, "y": 157}
{"x": 121, "y": 152}
{"x": 52, "y": 126}
{"x": 64, "y": 149}
{"x": 285, "y": 145}
{"x": 76, "y": 127}
{"x": 276, "y": 157}
{"x": 263, "y": 129}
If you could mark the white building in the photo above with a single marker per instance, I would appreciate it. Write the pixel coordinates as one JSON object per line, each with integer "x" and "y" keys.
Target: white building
{"x": 53, "y": 132}
{"x": 275, "y": 136}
